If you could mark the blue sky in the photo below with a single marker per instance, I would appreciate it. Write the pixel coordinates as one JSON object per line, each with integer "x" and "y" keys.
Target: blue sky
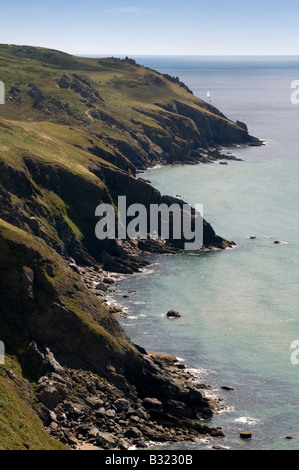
{"x": 178, "y": 27}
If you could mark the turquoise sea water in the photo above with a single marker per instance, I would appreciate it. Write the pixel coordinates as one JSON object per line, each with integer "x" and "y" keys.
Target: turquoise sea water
{"x": 240, "y": 307}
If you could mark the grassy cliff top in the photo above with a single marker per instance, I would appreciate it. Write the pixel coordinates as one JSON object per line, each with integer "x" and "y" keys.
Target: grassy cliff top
{"x": 123, "y": 110}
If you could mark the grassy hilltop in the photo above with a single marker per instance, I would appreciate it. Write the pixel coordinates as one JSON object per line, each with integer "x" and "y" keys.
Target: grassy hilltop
{"x": 124, "y": 112}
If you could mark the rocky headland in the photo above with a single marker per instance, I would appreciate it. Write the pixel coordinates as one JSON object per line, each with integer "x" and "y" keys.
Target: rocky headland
{"x": 74, "y": 132}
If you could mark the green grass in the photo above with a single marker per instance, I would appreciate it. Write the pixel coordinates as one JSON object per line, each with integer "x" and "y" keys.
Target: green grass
{"x": 20, "y": 427}
{"x": 123, "y": 86}
{"x": 48, "y": 143}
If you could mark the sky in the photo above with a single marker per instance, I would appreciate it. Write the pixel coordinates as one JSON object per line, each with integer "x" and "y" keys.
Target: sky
{"x": 154, "y": 27}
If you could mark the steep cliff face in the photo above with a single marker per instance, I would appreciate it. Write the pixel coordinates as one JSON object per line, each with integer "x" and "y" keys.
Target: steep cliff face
{"x": 55, "y": 199}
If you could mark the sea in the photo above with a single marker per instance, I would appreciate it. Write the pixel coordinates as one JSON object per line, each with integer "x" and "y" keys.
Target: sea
{"x": 240, "y": 306}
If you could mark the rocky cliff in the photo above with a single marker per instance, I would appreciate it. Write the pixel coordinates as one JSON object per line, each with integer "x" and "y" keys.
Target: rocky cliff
{"x": 91, "y": 384}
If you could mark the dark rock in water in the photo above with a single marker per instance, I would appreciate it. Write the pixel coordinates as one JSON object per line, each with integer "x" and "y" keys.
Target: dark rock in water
{"x": 246, "y": 434}
{"x": 223, "y": 163}
{"x": 108, "y": 280}
{"x": 252, "y": 238}
{"x": 101, "y": 286}
{"x": 227, "y": 388}
{"x": 217, "y": 432}
{"x": 173, "y": 314}
{"x": 289, "y": 437}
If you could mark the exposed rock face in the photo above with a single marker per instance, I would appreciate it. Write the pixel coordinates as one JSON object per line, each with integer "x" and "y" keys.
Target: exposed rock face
{"x": 64, "y": 82}
{"x": 34, "y": 182}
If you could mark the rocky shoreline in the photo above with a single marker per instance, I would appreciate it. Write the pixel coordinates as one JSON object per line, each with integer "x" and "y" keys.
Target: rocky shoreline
{"x": 85, "y": 412}
{"x": 81, "y": 410}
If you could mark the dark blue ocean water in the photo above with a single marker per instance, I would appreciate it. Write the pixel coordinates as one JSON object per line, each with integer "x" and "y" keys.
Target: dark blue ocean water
{"x": 240, "y": 307}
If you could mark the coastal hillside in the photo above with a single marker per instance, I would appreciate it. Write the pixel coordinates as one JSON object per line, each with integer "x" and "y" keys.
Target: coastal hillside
{"x": 73, "y": 133}
{"x": 127, "y": 114}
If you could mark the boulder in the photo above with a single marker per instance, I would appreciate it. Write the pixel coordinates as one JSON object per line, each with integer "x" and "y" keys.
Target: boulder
{"x": 173, "y": 314}
{"x": 49, "y": 397}
{"x": 110, "y": 413}
{"x": 72, "y": 440}
{"x": 142, "y": 414}
{"x": 133, "y": 433}
{"x": 93, "y": 432}
{"x": 246, "y": 435}
{"x": 94, "y": 402}
{"x": 106, "y": 440}
{"x": 123, "y": 444}
{"x": 122, "y": 404}
{"x": 153, "y": 404}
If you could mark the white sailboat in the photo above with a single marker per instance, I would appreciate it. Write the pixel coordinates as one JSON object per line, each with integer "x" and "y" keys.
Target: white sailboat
{"x": 209, "y": 96}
